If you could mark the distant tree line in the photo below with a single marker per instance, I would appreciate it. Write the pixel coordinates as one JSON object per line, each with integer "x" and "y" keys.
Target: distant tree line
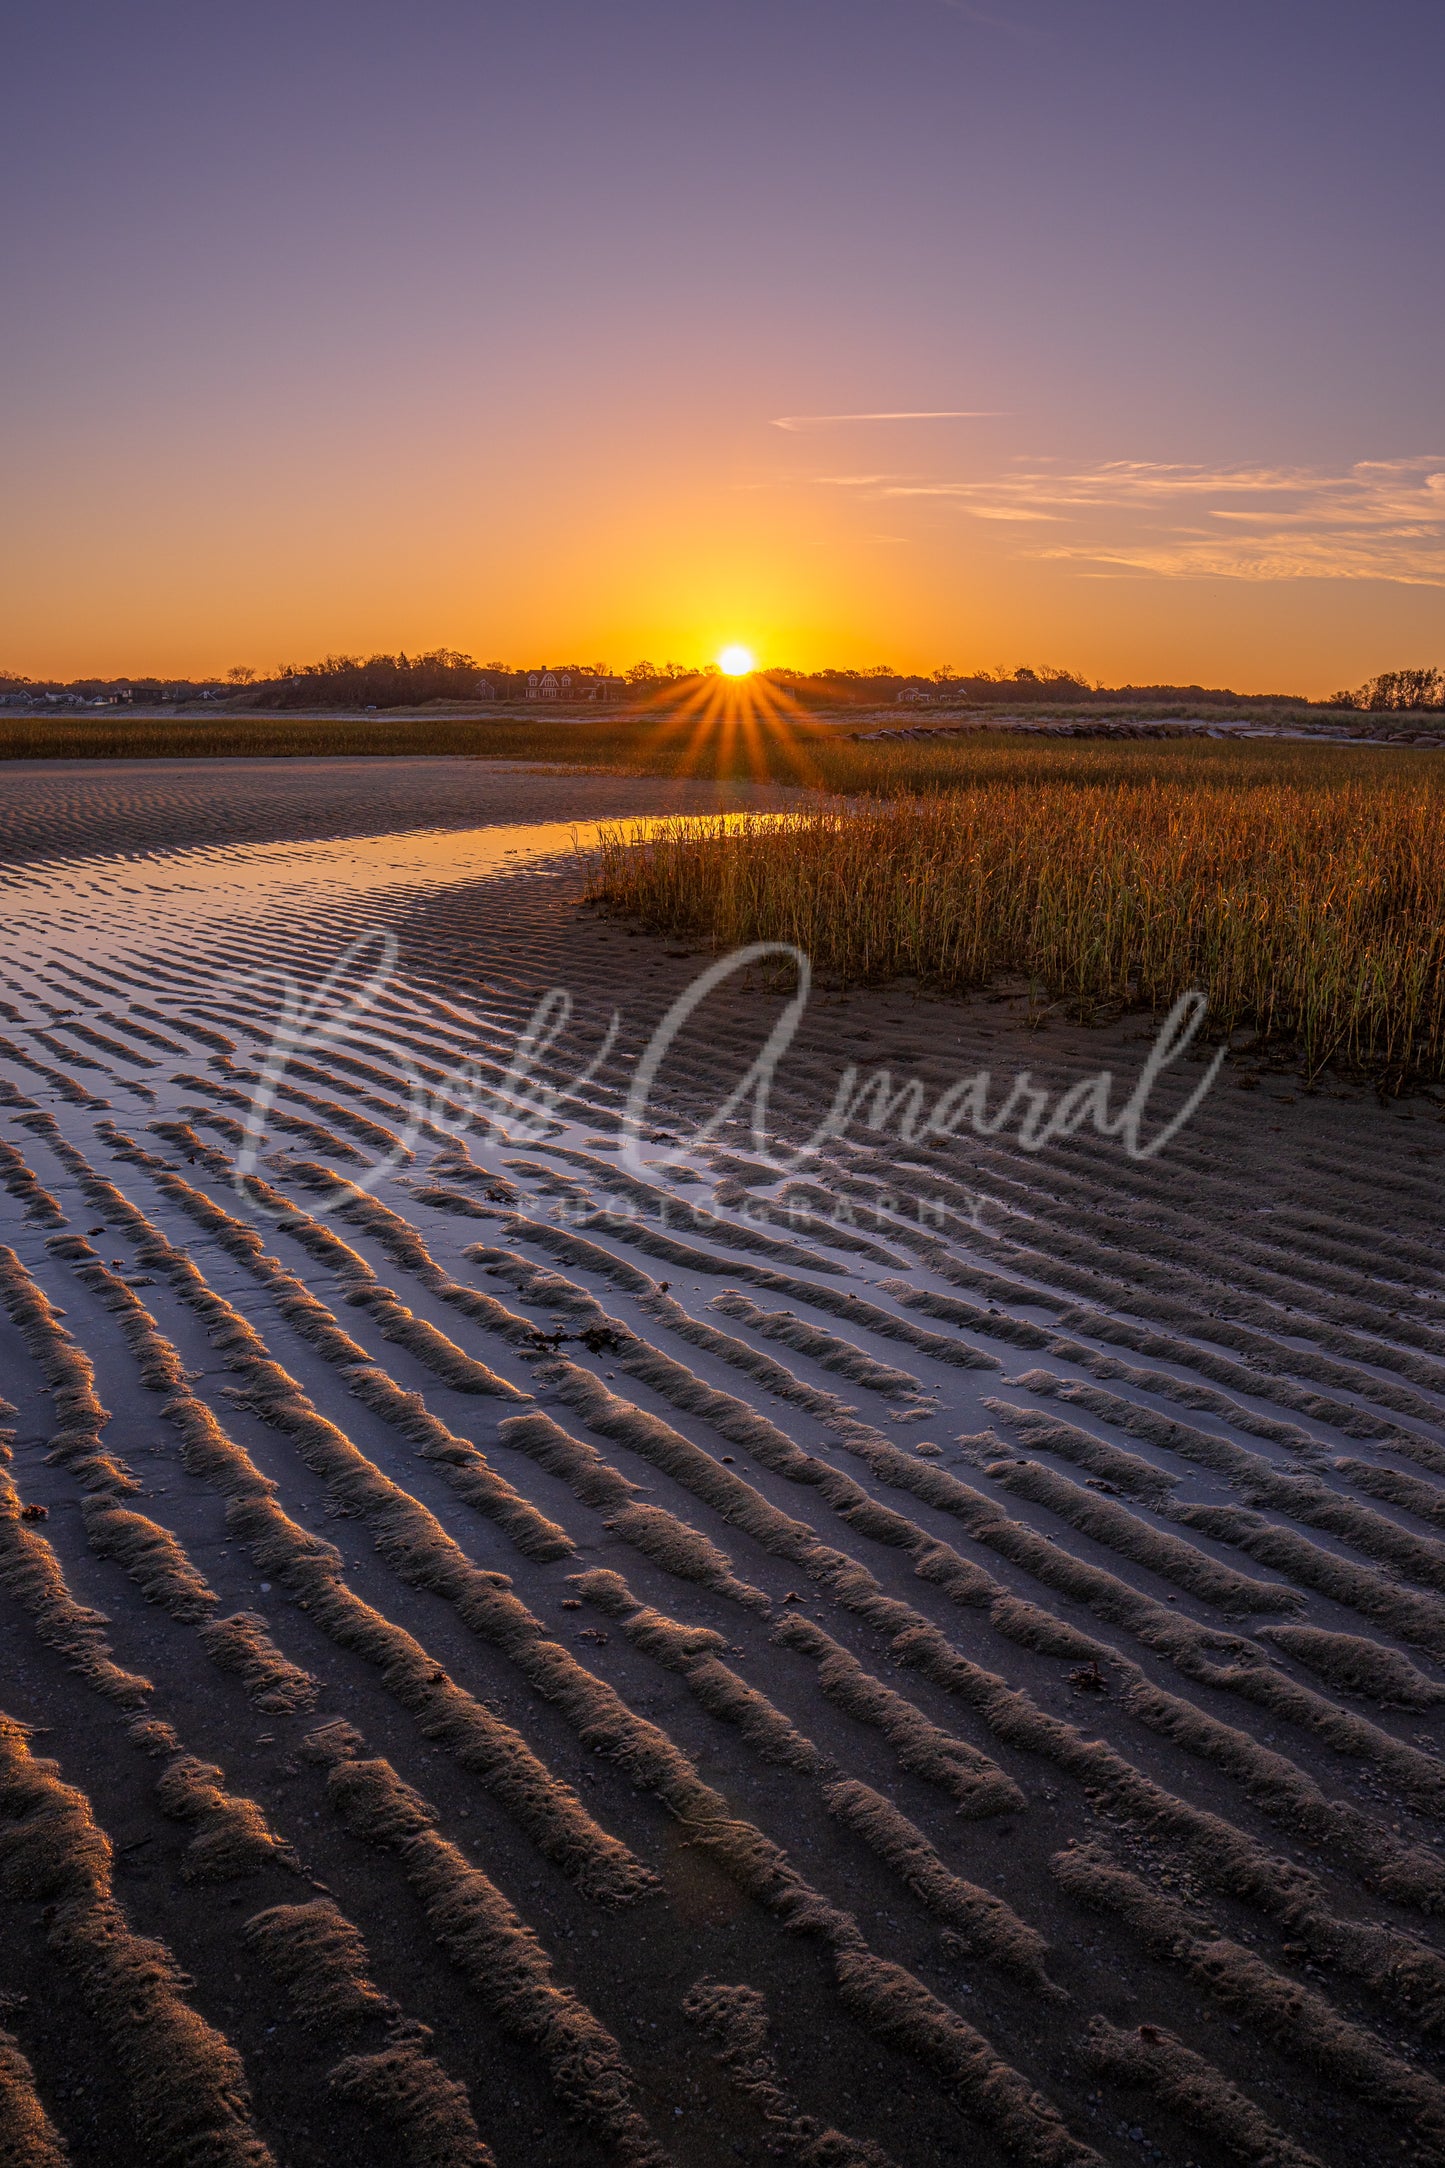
{"x": 1021, "y": 686}
{"x": 868, "y": 688}
{"x": 408, "y": 681}
{"x": 380, "y": 681}
{"x": 397, "y": 681}
{"x": 1396, "y": 689}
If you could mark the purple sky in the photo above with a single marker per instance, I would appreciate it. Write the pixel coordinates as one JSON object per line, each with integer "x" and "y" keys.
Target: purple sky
{"x": 336, "y": 327}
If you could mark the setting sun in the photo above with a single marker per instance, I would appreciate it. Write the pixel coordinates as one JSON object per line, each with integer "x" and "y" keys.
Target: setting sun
{"x": 735, "y": 661}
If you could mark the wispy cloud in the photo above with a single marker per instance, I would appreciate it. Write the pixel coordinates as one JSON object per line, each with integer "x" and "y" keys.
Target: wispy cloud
{"x": 1009, "y": 511}
{"x": 1025, "y": 33}
{"x": 1375, "y": 520}
{"x": 937, "y": 414}
{"x": 858, "y": 481}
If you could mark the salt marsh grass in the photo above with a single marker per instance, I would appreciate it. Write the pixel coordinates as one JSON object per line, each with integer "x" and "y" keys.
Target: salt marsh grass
{"x": 1300, "y": 886}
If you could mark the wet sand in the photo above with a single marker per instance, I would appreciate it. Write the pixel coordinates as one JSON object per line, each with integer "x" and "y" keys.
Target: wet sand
{"x": 982, "y": 1606}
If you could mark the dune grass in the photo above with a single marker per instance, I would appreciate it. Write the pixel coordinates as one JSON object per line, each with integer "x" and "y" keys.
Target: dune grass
{"x": 1300, "y": 886}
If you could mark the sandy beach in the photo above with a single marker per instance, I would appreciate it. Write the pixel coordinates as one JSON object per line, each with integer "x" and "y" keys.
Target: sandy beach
{"x": 677, "y": 1639}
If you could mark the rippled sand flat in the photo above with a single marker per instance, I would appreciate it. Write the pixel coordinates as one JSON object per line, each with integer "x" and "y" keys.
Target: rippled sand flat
{"x": 927, "y": 1654}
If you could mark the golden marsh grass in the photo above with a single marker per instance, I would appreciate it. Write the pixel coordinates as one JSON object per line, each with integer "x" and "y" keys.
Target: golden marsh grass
{"x": 732, "y": 737}
{"x": 1299, "y": 886}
